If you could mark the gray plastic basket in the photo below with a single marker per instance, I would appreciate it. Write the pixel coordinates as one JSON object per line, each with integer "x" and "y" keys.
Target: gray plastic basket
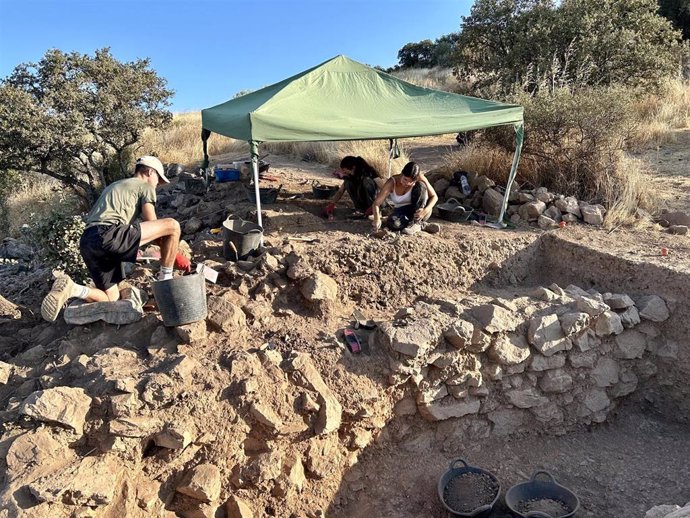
{"x": 181, "y": 300}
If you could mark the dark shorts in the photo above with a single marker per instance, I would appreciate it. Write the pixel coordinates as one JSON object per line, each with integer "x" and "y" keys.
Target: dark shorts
{"x": 105, "y": 248}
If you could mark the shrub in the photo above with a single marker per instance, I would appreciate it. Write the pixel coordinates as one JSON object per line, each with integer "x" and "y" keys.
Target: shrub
{"x": 56, "y": 236}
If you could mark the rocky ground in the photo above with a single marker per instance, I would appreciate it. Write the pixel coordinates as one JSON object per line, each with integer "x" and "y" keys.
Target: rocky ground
{"x": 261, "y": 410}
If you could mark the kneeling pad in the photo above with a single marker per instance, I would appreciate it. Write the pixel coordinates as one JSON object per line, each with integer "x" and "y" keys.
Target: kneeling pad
{"x": 127, "y": 310}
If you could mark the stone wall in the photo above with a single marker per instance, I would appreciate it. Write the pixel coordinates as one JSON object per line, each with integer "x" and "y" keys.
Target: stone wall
{"x": 549, "y": 360}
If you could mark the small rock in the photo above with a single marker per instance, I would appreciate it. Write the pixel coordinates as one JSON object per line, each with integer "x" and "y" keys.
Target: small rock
{"x": 593, "y": 214}
{"x": 238, "y": 508}
{"x": 5, "y": 372}
{"x": 201, "y": 483}
{"x": 608, "y": 323}
{"x": 319, "y": 286}
{"x": 679, "y": 230}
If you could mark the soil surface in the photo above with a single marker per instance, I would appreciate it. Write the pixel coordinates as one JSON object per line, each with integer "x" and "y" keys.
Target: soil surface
{"x": 620, "y": 468}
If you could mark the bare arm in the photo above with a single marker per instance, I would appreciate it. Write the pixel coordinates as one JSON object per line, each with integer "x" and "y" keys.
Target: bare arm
{"x": 339, "y": 193}
{"x": 380, "y": 198}
{"x": 148, "y": 212}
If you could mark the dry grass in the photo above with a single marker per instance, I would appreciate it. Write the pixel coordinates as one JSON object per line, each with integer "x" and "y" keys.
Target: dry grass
{"x": 181, "y": 142}
{"x": 35, "y": 197}
{"x": 658, "y": 114}
{"x": 490, "y": 161}
{"x": 627, "y": 196}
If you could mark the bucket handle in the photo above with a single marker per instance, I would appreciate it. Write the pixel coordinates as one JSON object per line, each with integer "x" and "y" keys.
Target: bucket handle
{"x": 454, "y": 462}
{"x": 538, "y": 514}
{"x": 452, "y": 201}
{"x": 542, "y": 472}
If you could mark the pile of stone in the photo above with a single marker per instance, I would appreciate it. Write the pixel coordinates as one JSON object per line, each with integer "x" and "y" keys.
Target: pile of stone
{"x": 536, "y": 207}
{"x": 556, "y": 362}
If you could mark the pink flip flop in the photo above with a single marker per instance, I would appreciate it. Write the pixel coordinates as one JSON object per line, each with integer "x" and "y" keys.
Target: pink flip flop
{"x": 352, "y": 341}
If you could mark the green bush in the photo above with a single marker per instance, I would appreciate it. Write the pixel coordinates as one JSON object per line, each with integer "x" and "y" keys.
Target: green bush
{"x": 56, "y": 235}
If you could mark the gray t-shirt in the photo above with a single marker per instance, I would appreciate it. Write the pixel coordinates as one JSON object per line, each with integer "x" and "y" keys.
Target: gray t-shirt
{"x": 121, "y": 202}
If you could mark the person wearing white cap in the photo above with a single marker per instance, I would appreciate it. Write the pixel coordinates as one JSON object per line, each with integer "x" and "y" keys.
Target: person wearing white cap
{"x": 113, "y": 235}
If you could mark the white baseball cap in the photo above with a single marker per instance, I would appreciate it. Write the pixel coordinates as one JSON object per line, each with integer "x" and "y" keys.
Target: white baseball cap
{"x": 153, "y": 163}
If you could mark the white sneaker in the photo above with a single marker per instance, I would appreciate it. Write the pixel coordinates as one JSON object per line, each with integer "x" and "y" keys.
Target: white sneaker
{"x": 413, "y": 229}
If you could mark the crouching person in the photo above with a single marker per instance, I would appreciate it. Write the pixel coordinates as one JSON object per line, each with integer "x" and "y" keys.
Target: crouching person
{"x": 412, "y": 197}
{"x": 113, "y": 235}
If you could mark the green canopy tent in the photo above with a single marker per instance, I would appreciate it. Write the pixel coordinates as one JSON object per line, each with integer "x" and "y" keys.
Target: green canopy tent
{"x": 342, "y": 99}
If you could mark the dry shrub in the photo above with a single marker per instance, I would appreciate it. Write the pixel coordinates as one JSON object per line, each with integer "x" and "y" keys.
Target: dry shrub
{"x": 627, "y": 191}
{"x": 489, "y": 160}
{"x": 659, "y": 113}
{"x": 181, "y": 141}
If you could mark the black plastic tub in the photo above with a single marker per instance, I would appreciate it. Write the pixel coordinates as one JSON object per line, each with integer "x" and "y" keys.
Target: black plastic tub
{"x": 324, "y": 192}
{"x": 240, "y": 238}
{"x": 267, "y": 195}
{"x": 541, "y": 498}
{"x": 452, "y": 210}
{"x": 476, "y": 490}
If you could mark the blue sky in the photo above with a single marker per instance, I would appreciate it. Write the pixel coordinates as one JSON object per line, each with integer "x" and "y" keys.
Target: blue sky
{"x": 210, "y": 49}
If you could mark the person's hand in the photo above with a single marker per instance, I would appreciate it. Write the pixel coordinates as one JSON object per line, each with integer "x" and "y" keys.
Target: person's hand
{"x": 182, "y": 263}
{"x": 376, "y": 223}
{"x": 421, "y": 213}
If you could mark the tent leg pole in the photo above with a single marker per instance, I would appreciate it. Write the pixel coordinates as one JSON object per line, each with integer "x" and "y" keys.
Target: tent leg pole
{"x": 254, "y": 147}
{"x": 519, "y": 137}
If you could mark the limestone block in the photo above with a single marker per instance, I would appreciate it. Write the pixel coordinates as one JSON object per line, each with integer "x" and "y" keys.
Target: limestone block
{"x": 412, "y": 340}
{"x": 330, "y": 411}
{"x": 630, "y": 317}
{"x": 576, "y": 291}
{"x": 553, "y": 213}
{"x": 431, "y": 394}
{"x": 224, "y": 315}
{"x": 265, "y": 416}
{"x": 546, "y": 335}
{"x": 548, "y": 413}
{"x": 509, "y": 349}
{"x": 586, "y": 359}
{"x": 626, "y": 385}
{"x": 238, "y": 508}
{"x": 596, "y": 400}
{"x": 574, "y": 323}
{"x": 556, "y": 380}
{"x": 133, "y": 426}
{"x": 653, "y": 307}
{"x": 605, "y": 373}
{"x": 191, "y": 333}
{"x": 492, "y": 202}
{"x": 174, "y": 437}
{"x": 67, "y": 406}
{"x": 202, "y": 483}
{"x": 593, "y": 214}
{"x": 494, "y": 319}
{"x": 319, "y": 286}
{"x": 525, "y": 197}
{"x": 546, "y": 223}
{"x": 526, "y": 398}
{"x": 124, "y": 404}
{"x": 569, "y": 205}
{"x": 5, "y": 372}
{"x": 323, "y": 456}
{"x": 531, "y": 211}
{"x": 590, "y": 306}
{"x": 449, "y": 408}
{"x": 618, "y": 300}
{"x": 631, "y": 344}
{"x": 608, "y": 323}
{"x": 406, "y": 406}
{"x": 542, "y": 293}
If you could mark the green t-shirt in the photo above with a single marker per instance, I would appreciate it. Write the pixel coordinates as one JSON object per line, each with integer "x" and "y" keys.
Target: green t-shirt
{"x": 121, "y": 202}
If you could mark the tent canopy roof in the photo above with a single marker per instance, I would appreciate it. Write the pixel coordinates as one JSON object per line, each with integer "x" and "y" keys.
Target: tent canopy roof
{"x": 341, "y": 99}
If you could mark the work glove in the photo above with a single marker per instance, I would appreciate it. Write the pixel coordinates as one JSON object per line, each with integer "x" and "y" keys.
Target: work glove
{"x": 182, "y": 263}
{"x": 328, "y": 210}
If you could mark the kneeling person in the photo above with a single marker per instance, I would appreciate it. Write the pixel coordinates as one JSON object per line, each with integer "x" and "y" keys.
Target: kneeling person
{"x": 113, "y": 235}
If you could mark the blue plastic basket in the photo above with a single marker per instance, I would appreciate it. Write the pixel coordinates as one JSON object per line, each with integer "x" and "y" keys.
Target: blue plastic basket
{"x": 227, "y": 175}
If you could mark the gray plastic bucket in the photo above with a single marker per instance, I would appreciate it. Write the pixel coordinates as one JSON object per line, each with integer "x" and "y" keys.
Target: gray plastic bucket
{"x": 181, "y": 300}
{"x": 240, "y": 238}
